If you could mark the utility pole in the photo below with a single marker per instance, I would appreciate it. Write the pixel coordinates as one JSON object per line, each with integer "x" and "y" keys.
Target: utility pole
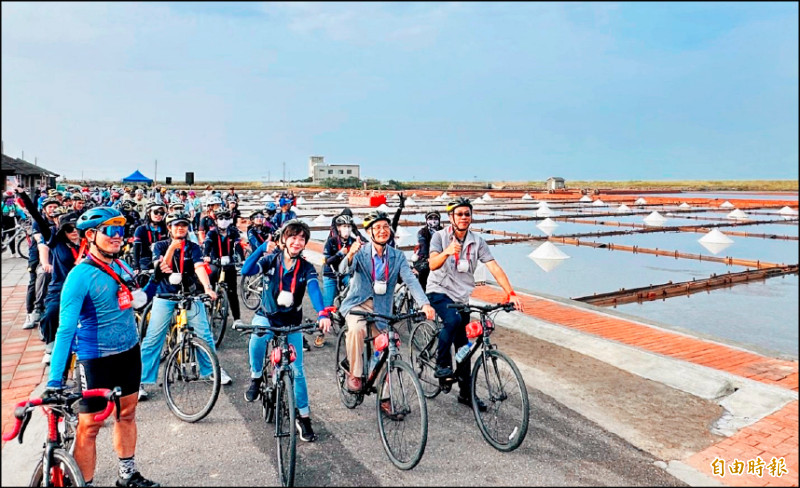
{"x": 268, "y": 176}
{"x": 23, "y": 156}
{"x": 284, "y": 173}
{"x": 155, "y": 176}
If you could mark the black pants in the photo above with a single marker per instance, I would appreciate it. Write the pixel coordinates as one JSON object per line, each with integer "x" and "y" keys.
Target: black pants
{"x": 453, "y": 332}
{"x": 49, "y": 321}
{"x": 231, "y": 282}
{"x": 30, "y": 296}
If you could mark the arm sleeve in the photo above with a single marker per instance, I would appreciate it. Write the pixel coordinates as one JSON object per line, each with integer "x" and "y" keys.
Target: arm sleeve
{"x": 396, "y": 218}
{"x": 72, "y": 296}
{"x": 36, "y": 216}
{"x": 207, "y": 244}
{"x": 250, "y": 266}
{"x": 252, "y": 239}
{"x": 315, "y": 294}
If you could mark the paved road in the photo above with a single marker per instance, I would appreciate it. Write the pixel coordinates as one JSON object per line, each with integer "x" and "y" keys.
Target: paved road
{"x": 233, "y": 446}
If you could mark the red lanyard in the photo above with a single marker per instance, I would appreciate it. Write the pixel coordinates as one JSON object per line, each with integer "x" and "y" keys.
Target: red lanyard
{"x": 180, "y": 266}
{"x": 294, "y": 277}
{"x": 456, "y": 256}
{"x": 150, "y": 235}
{"x": 386, "y": 267}
{"x": 82, "y": 250}
{"x": 110, "y": 271}
{"x": 339, "y": 243}
{"x": 75, "y": 253}
{"x": 219, "y": 239}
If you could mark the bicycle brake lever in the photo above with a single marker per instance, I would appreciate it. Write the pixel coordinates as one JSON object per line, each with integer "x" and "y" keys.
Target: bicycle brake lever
{"x": 117, "y": 392}
{"x": 25, "y": 422}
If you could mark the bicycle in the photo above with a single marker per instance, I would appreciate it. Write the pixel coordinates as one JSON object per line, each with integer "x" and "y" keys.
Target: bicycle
{"x": 401, "y": 405}
{"x": 219, "y": 309}
{"x": 127, "y": 252}
{"x": 494, "y": 378}
{"x": 57, "y": 467}
{"x": 184, "y": 382}
{"x": 337, "y": 321}
{"x": 277, "y": 392}
{"x": 250, "y": 288}
{"x": 403, "y": 302}
{"x": 20, "y": 235}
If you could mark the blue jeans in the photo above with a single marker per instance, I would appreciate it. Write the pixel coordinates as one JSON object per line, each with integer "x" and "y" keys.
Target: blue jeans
{"x": 453, "y": 332}
{"x": 153, "y": 342}
{"x": 258, "y": 347}
{"x": 329, "y": 290}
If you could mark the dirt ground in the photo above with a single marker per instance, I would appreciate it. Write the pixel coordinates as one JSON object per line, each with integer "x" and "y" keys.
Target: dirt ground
{"x": 667, "y": 423}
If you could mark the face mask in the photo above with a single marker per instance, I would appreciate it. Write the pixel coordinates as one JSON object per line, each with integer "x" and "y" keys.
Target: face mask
{"x": 223, "y": 223}
{"x": 139, "y": 298}
{"x": 225, "y": 260}
{"x": 285, "y": 299}
{"x": 432, "y": 223}
{"x": 379, "y": 287}
{"x": 175, "y": 278}
{"x": 344, "y": 232}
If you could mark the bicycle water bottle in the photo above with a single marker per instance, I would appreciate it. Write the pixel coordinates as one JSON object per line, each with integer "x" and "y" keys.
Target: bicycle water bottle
{"x": 463, "y": 351}
{"x": 374, "y": 361}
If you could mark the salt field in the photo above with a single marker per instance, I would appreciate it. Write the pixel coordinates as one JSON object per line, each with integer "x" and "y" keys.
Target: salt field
{"x": 761, "y": 315}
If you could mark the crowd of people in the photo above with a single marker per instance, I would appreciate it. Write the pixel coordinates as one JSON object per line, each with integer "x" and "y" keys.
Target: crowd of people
{"x": 82, "y": 296}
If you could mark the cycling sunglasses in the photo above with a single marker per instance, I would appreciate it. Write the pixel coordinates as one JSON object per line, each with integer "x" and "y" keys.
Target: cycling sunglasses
{"x": 159, "y": 212}
{"x": 112, "y": 230}
{"x": 69, "y": 229}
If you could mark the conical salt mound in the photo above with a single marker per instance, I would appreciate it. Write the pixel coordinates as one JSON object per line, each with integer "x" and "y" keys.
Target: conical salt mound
{"x": 585, "y": 198}
{"x": 655, "y": 219}
{"x": 716, "y": 237}
{"x": 547, "y": 226}
{"x": 401, "y": 232}
{"x": 322, "y": 220}
{"x": 266, "y": 198}
{"x": 249, "y": 192}
{"x": 623, "y": 209}
{"x": 787, "y": 211}
{"x": 414, "y": 195}
{"x": 548, "y": 256}
{"x": 316, "y": 196}
{"x": 543, "y": 204}
{"x": 684, "y": 205}
{"x": 726, "y": 204}
{"x": 737, "y": 214}
{"x": 544, "y": 212}
{"x": 478, "y": 201}
{"x": 445, "y": 195}
{"x": 394, "y": 197}
{"x": 340, "y": 197}
{"x": 383, "y": 208}
{"x": 438, "y": 199}
{"x": 527, "y": 196}
{"x": 640, "y": 201}
{"x": 410, "y": 201}
{"x": 486, "y": 197}
{"x": 301, "y": 201}
{"x": 598, "y": 203}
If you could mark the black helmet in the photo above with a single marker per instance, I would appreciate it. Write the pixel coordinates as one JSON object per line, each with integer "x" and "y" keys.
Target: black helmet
{"x": 295, "y": 227}
{"x": 343, "y": 220}
{"x": 433, "y": 214}
{"x": 257, "y": 213}
{"x": 373, "y": 217}
{"x": 176, "y": 217}
{"x": 150, "y": 206}
{"x": 127, "y": 205}
{"x": 50, "y": 201}
{"x": 222, "y": 214}
{"x": 77, "y": 196}
{"x": 458, "y": 202}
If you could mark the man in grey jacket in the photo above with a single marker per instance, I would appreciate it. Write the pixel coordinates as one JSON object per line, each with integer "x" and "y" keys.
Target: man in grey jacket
{"x": 375, "y": 268}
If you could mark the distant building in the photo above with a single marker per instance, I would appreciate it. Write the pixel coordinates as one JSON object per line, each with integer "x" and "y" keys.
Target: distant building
{"x": 27, "y": 175}
{"x": 555, "y": 183}
{"x": 318, "y": 170}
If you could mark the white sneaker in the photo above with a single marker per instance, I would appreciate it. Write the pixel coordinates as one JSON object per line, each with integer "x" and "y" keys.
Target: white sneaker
{"x": 142, "y": 393}
{"x": 29, "y": 322}
{"x": 46, "y": 358}
{"x": 224, "y": 379}
{"x": 236, "y": 323}
{"x": 35, "y": 316}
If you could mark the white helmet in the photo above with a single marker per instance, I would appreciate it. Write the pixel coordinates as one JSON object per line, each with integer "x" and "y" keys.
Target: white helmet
{"x": 213, "y": 200}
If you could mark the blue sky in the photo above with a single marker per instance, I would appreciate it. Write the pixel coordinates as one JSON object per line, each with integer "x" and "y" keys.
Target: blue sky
{"x": 410, "y": 91}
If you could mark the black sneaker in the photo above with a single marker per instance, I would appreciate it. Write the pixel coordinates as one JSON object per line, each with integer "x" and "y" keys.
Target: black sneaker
{"x": 306, "y": 347}
{"x": 254, "y": 390}
{"x": 304, "y": 429}
{"x": 443, "y": 372}
{"x": 468, "y": 402}
{"x": 136, "y": 479}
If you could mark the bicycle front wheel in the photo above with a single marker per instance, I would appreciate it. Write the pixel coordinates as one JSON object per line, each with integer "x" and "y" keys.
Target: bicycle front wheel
{"x": 349, "y": 399}
{"x": 191, "y": 380}
{"x": 219, "y": 316}
{"x": 250, "y": 291}
{"x": 424, "y": 342}
{"x": 64, "y": 471}
{"x": 402, "y": 415}
{"x": 24, "y": 245}
{"x": 496, "y": 381}
{"x": 285, "y": 431}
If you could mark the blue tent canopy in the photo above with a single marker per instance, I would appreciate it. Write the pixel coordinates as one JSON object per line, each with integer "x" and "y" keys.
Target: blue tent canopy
{"x": 137, "y": 177}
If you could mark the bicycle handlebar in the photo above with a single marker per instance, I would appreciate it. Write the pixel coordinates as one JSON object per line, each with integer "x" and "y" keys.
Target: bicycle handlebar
{"x": 414, "y": 315}
{"x": 24, "y": 408}
{"x": 307, "y": 324}
{"x": 179, "y": 296}
{"x": 466, "y": 307}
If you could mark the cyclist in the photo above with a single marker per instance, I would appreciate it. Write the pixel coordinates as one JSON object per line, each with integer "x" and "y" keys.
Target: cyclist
{"x": 179, "y": 268}
{"x": 65, "y": 252}
{"x": 286, "y": 214}
{"x": 375, "y": 269}
{"x": 270, "y": 209}
{"x": 78, "y": 203}
{"x": 132, "y": 217}
{"x": 140, "y": 202}
{"x": 289, "y": 275}
{"x": 146, "y": 235}
{"x": 233, "y": 208}
{"x": 421, "y": 252}
{"x": 336, "y": 248}
{"x": 106, "y": 343}
{"x": 11, "y": 212}
{"x": 353, "y": 227}
{"x": 257, "y": 232}
{"x": 221, "y": 244}
{"x": 42, "y": 231}
{"x": 208, "y": 222}
{"x": 231, "y": 195}
{"x": 452, "y": 281}
{"x": 113, "y": 200}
